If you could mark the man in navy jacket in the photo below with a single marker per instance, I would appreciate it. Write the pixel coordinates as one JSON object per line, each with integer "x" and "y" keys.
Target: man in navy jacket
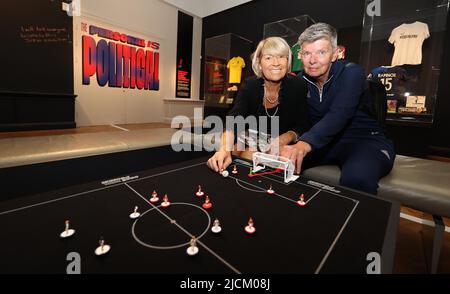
{"x": 341, "y": 133}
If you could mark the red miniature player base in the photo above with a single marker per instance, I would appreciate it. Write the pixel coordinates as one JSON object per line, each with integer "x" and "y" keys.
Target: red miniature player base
{"x": 301, "y": 202}
{"x": 207, "y": 204}
{"x": 270, "y": 191}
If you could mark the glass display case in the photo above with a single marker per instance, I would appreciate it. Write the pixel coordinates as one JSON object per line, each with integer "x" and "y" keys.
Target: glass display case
{"x": 227, "y": 63}
{"x": 290, "y": 29}
{"x": 402, "y": 47}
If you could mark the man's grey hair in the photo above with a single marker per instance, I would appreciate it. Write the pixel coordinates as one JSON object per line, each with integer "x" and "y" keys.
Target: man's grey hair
{"x": 271, "y": 45}
{"x": 319, "y": 31}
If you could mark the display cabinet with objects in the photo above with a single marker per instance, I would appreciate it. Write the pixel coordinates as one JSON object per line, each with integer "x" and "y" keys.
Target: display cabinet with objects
{"x": 290, "y": 29}
{"x": 227, "y": 63}
{"x": 402, "y": 47}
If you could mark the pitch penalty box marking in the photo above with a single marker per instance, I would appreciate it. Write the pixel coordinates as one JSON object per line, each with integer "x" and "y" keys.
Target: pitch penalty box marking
{"x": 270, "y": 177}
{"x": 342, "y": 228}
{"x": 261, "y": 190}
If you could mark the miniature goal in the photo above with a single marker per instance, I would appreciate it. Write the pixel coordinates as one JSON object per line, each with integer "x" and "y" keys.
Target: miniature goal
{"x": 261, "y": 160}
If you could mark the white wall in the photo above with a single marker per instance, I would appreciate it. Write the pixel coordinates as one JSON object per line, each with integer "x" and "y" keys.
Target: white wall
{"x": 203, "y": 8}
{"x": 148, "y": 19}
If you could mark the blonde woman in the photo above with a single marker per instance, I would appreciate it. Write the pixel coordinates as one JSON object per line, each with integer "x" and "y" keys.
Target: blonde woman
{"x": 271, "y": 93}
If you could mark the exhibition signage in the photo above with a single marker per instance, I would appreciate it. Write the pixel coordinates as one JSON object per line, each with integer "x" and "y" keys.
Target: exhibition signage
{"x": 119, "y": 60}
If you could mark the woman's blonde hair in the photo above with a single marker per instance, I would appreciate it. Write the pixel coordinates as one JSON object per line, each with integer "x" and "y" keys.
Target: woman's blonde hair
{"x": 271, "y": 45}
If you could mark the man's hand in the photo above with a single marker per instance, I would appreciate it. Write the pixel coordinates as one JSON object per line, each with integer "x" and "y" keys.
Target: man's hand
{"x": 274, "y": 147}
{"x": 220, "y": 160}
{"x": 296, "y": 153}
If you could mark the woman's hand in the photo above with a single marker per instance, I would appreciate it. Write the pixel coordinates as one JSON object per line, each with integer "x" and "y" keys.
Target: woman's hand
{"x": 220, "y": 160}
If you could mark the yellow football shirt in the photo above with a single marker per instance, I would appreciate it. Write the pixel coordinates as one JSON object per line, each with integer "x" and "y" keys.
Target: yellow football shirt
{"x": 235, "y": 65}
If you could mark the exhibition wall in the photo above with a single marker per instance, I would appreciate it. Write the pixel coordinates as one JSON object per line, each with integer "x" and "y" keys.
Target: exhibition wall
{"x": 150, "y": 20}
{"x": 248, "y": 21}
{"x": 94, "y": 63}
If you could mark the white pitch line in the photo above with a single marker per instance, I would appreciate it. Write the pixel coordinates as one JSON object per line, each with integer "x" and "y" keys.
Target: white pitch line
{"x": 166, "y": 172}
{"x": 257, "y": 191}
{"x": 313, "y": 196}
{"x": 94, "y": 190}
{"x": 219, "y": 257}
{"x": 284, "y": 197}
{"x": 59, "y": 199}
{"x": 187, "y": 232}
{"x": 335, "y": 240}
{"x": 120, "y": 128}
{"x": 148, "y": 201}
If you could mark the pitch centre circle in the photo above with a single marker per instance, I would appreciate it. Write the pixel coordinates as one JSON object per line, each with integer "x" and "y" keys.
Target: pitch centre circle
{"x": 171, "y": 227}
